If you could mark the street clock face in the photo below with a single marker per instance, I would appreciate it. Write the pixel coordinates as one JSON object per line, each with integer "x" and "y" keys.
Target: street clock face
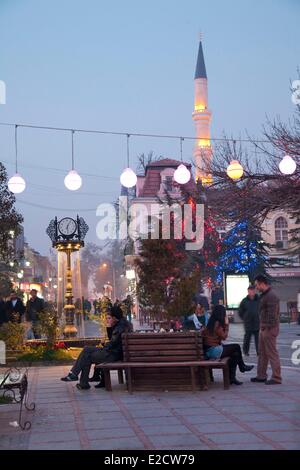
{"x": 67, "y": 226}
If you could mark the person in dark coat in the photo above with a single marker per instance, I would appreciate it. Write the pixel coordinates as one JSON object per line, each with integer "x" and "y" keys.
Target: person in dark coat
{"x": 3, "y": 317}
{"x": 34, "y": 307}
{"x": 111, "y": 352}
{"x": 14, "y": 308}
{"x": 249, "y": 313}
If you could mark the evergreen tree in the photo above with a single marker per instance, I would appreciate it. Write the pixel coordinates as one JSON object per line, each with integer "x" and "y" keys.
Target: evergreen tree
{"x": 10, "y": 219}
{"x": 242, "y": 251}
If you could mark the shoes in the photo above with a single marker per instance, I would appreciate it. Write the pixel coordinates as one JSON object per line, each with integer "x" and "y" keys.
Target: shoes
{"x": 256, "y": 379}
{"x": 272, "y": 382}
{"x": 235, "y": 382}
{"x": 100, "y": 385}
{"x": 70, "y": 378}
{"x": 246, "y": 368}
{"x": 83, "y": 387}
{"x": 94, "y": 379}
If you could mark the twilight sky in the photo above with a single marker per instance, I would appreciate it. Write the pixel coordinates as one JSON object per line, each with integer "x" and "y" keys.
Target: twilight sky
{"x": 129, "y": 67}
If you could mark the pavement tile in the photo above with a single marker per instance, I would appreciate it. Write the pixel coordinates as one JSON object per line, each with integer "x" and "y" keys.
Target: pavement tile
{"x": 234, "y": 438}
{"x": 53, "y": 436}
{"x": 274, "y": 426}
{"x": 120, "y": 443}
{"x": 209, "y": 419}
{"x": 164, "y": 429}
{"x": 291, "y": 445}
{"x": 246, "y": 446}
{"x": 181, "y": 440}
{"x": 154, "y": 413}
{"x": 70, "y": 445}
{"x": 171, "y": 421}
{"x": 257, "y": 417}
{"x": 104, "y": 433}
{"x": 218, "y": 427}
{"x": 283, "y": 436}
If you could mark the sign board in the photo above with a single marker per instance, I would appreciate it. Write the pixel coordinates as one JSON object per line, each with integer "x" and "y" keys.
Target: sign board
{"x": 236, "y": 286}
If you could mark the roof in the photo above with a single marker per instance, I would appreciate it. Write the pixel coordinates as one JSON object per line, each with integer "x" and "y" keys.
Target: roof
{"x": 200, "y": 67}
{"x": 152, "y": 176}
{"x": 167, "y": 163}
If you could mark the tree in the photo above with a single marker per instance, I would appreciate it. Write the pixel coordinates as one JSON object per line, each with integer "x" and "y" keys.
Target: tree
{"x": 242, "y": 251}
{"x": 10, "y": 219}
{"x": 159, "y": 264}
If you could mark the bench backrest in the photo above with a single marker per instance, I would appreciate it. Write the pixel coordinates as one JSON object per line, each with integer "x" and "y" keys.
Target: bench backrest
{"x": 162, "y": 347}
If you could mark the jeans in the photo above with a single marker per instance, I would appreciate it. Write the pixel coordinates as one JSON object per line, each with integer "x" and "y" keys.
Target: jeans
{"x": 247, "y": 340}
{"x": 214, "y": 352}
{"x": 88, "y": 356}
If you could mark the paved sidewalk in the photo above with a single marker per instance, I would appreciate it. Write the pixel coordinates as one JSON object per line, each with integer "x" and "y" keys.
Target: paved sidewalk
{"x": 246, "y": 417}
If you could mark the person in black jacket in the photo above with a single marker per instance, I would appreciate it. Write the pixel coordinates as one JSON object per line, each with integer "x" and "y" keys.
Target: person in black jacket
{"x": 249, "y": 313}
{"x": 3, "y": 317}
{"x": 14, "y": 308}
{"x": 34, "y": 307}
{"x": 111, "y": 352}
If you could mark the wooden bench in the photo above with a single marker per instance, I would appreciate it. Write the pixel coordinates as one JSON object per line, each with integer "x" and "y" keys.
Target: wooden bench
{"x": 168, "y": 361}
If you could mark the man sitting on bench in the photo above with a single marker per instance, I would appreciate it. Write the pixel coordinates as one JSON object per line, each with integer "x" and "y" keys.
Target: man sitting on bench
{"x": 111, "y": 352}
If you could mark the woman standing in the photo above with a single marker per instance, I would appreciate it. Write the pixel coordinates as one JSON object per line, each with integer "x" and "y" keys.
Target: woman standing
{"x": 214, "y": 333}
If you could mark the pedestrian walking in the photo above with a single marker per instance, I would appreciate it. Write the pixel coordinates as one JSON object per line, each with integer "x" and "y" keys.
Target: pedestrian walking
{"x": 248, "y": 311}
{"x": 268, "y": 333}
{"x": 14, "y": 308}
{"x": 34, "y": 307}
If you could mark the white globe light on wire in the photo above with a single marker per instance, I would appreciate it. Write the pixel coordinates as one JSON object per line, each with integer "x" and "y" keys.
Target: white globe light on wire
{"x": 235, "y": 170}
{"x": 287, "y": 166}
{"x": 16, "y": 184}
{"x": 128, "y": 178}
{"x": 182, "y": 175}
{"x": 73, "y": 180}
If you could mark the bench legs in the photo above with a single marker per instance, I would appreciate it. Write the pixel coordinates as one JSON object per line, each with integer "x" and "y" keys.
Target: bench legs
{"x": 226, "y": 378}
{"x": 120, "y": 376}
{"x": 107, "y": 380}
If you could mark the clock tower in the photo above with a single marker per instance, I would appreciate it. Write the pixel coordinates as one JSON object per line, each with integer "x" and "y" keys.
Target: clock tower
{"x": 67, "y": 236}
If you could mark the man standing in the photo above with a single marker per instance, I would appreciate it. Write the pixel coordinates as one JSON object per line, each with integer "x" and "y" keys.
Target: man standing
{"x": 248, "y": 311}
{"x": 34, "y": 307}
{"x": 14, "y": 308}
{"x": 111, "y": 352}
{"x": 3, "y": 317}
{"x": 269, "y": 330}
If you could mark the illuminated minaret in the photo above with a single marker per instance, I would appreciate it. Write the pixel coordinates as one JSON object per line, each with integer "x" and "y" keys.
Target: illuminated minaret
{"x": 202, "y": 116}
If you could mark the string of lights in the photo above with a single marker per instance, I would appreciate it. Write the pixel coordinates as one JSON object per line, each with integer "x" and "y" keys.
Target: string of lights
{"x": 128, "y": 178}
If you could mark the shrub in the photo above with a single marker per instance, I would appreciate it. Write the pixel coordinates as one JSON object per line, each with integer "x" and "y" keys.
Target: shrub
{"x": 13, "y": 335}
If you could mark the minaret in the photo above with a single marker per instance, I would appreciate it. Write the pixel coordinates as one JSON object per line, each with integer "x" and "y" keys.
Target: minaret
{"x": 202, "y": 116}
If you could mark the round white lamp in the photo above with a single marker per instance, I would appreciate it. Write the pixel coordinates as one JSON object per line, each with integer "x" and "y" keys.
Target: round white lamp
{"x": 287, "y": 166}
{"x": 73, "y": 180}
{"x": 16, "y": 184}
{"x": 128, "y": 178}
{"x": 235, "y": 170}
{"x": 182, "y": 175}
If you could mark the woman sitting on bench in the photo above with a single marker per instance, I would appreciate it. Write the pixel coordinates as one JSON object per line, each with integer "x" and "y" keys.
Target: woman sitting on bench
{"x": 215, "y": 332}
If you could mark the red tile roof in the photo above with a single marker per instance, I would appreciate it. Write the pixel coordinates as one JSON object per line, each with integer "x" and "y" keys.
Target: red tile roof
{"x": 152, "y": 176}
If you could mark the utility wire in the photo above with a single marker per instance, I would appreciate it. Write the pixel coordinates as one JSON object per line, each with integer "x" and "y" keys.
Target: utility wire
{"x": 156, "y": 136}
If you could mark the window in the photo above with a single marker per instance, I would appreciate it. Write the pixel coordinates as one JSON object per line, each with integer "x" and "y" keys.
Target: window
{"x": 281, "y": 232}
{"x": 168, "y": 183}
